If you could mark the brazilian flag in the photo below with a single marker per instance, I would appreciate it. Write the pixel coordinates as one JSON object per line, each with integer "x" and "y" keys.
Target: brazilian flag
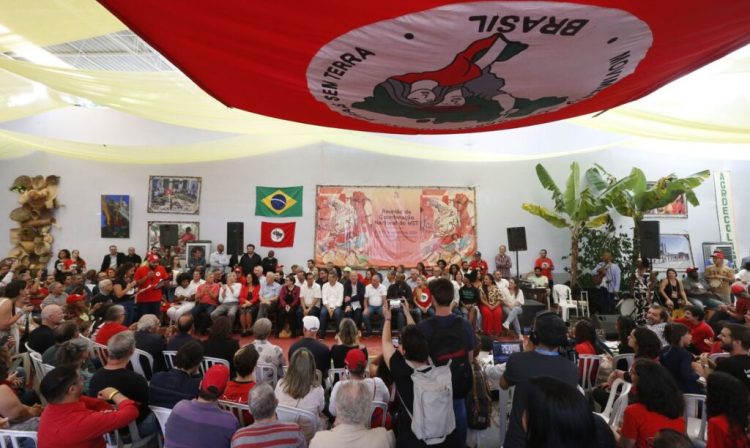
{"x": 274, "y": 201}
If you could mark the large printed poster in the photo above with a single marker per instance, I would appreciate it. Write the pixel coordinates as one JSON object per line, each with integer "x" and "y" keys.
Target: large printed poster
{"x": 387, "y": 226}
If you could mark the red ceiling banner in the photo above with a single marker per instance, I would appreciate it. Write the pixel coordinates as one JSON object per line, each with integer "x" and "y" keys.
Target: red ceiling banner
{"x": 429, "y": 66}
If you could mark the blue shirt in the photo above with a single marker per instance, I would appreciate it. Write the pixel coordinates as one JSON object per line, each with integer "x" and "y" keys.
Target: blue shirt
{"x": 269, "y": 291}
{"x": 193, "y": 424}
{"x": 612, "y": 276}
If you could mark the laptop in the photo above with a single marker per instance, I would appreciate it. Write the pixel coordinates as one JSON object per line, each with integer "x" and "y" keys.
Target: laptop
{"x": 501, "y": 351}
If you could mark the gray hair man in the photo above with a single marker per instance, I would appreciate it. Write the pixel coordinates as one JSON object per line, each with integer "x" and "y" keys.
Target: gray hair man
{"x": 148, "y": 339}
{"x": 353, "y": 403}
{"x": 267, "y": 430}
{"x": 43, "y": 337}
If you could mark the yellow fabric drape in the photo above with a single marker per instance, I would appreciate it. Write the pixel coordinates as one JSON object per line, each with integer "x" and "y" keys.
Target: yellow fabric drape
{"x": 13, "y": 144}
{"x": 20, "y": 97}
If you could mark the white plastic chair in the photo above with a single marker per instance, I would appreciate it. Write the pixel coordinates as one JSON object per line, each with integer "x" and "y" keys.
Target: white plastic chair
{"x": 379, "y": 405}
{"x": 589, "y": 371}
{"x": 10, "y": 438}
{"x": 239, "y": 410}
{"x": 47, "y": 368}
{"x": 115, "y": 440}
{"x": 335, "y": 375}
{"x": 209, "y": 361}
{"x": 628, "y": 357}
{"x": 169, "y": 358}
{"x": 37, "y": 365}
{"x": 562, "y": 296}
{"x": 618, "y": 411}
{"x": 290, "y": 414}
{"x": 583, "y": 304}
{"x": 162, "y": 415}
{"x": 136, "y": 364}
{"x": 101, "y": 351}
{"x": 619, "y": 387}
{"x": 266, "y": 374}
{"x": 695, "y": 416}
{"x": 716, "y": 356}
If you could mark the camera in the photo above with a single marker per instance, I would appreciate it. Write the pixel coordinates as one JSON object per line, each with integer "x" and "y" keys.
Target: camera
{"x": 395, "y": 303}
{"x": 394, "y": 341}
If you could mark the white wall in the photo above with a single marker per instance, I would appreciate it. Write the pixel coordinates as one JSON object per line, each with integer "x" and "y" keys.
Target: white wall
{"x": 229, "y": 194}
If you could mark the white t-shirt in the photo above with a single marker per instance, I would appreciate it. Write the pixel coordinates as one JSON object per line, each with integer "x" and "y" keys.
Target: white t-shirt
{"x": 186, "y": 292}
{"x": 374, "y": 295}
{"x": 230, "y": 294}
{"x": 333, "y": 296}
{"x": 309, "y": 293}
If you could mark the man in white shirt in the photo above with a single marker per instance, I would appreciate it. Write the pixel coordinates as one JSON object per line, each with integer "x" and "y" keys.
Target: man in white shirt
{"x": 412, "y": 280}
{"x": 375, "y": 293}
{"x": 332, "y": 294}
{"x": 219, "y": 259}
{"x": 501, "y": 282}
{"x": 309, "y": 297}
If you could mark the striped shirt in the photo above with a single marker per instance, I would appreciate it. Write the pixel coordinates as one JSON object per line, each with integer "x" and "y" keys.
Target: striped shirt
{"x": 269, "y": 434}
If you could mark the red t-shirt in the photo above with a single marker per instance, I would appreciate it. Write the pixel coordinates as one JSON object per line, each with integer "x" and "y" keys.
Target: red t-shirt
{"x": 641, "y": 425}
{"x": 208, "y": 293}
{"x": 480, "y": 265}
{"x": 108, "y": 330}
{"x": 719, "y": 436}
{"x": 700, "y": 332}
{"x": 423, "y": 298}
{"x": 150, "y": 292}
{"x": 742, "y": 306}
{"x": 587, "y": 348}
{"x": 237, "y": 391}
{"x": 546, "y": 265}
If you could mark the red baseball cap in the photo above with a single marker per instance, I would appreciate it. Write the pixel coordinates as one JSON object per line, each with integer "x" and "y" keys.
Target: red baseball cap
{"x": 739, "y": 289}
{"x": 355, "y": 360}
{"x": 73, "y": 298}
{"x": 153, "y": 258}
{"x": 215, "y": 380}
{"x": 691, "y": 269}
{"x": 718, "y": 254}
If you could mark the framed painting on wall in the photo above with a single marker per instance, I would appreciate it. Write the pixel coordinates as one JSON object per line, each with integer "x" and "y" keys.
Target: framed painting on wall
{"x": 187, "y": 232}
{"x": 115, "y": 216}
{"x": 730, "y": 258}
{"x": 675, "y": 251}
{"x": 197, "y": 253}
{"x": 174, "y": 194}
{"x": 675, "y": 209}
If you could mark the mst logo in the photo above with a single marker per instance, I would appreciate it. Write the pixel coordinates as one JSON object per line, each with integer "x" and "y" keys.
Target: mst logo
{"x": 477, "y": 64}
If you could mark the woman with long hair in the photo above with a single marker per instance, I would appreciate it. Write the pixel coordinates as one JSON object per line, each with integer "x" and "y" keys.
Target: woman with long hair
{"x": 490, "y": 305}
{"x": 672, "y": 293}
{"x": 123, "y": 289}
{"x": 659, "y": 404}
{"x": 558, "y": 416}
{"x": 422, "y": 270}
{"x": 453, "y": 270}
{"x": 75, "y": 264}
{"x": 727, "y": 407}
{"x": 249, "y": 296}
{"x": 678, "y": 360}
{"x": 300, "y": 388}
{"x": 346, "y": 339}
{"x": 61, "y": 271}
{"x": 645, "y": 344}
{"x": 512, "y": 305}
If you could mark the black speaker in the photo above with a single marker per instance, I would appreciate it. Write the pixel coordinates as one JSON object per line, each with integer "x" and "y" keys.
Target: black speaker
{"x": 516, "y": 238}
{"x": 650, "y": 247}
{"x": 235, "y": 237}
{"x": 168, "y": 235}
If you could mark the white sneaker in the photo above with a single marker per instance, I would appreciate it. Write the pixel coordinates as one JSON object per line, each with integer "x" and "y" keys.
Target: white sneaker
{"x": 506, "y": 325}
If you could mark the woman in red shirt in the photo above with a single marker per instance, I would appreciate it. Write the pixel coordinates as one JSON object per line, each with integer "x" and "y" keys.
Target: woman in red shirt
{"x": 585, "y": 344}
{"x": 249, "y": 295}
{"x": 728, "y": 407}
{"x": 423, "y": 298}
{"x": 659, "y": 405}
{"x": 245, "y": 360}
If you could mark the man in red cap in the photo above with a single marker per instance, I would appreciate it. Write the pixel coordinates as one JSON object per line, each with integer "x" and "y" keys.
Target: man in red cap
{"x": 356, "y": 364}
{"x": 151, "y": 278}
{"x": 719, "y": 277}
{"x": 201, "y": 422}
{"x": 737, "y": 312}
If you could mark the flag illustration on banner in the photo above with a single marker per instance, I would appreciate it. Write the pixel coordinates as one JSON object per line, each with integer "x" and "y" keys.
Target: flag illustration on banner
{"x": 277, "y": 234}
{"x": 273, "y": 201}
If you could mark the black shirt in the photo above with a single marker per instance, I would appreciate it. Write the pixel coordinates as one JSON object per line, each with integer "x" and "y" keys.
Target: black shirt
{"x": 131, "y": 385}
{"x": 338, "y": 354}
{"x": 399, "y": 290}
{"x": 179, "y": 340}
{"x": 468, "y": 295}
{"x": 154, "y": 345}
{"x": 42, "y": 338}
{"x": 738, "y": 366}
{"x": 135, "y": 259}
{"x": 357, "y": 295}
{"x": 168, "y": 388}
{"x": 221, "y": 348}
{"x": 248, "y": 262}
{"x": 320, "y": 352}
{"x": 123, "y": 284}
{"x": 269, "y": 264}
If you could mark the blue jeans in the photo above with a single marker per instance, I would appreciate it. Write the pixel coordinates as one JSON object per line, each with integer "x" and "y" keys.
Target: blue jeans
{"x": 512, "y": 318}
{"x": 337, "y": 314}
{"x": 419, "y": 314}
{"x": 462, "y": 421}
{"x": 367, "y": 318}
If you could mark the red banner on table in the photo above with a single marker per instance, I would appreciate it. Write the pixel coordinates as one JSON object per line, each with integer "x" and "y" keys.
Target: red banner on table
{"x": 435, "y": 66}
{"x": 388, "y": 226}
{"x": 277, "y": 234}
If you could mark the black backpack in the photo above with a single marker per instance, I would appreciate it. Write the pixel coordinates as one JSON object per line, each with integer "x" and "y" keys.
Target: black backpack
{"x": 479, "y": 401}
{"x": 447, "y": 344}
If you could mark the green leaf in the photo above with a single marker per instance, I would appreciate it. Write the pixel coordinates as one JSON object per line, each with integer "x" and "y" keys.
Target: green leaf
{"x": 546, "y": 180}
{"x": 546, "y": 214}
{"x": 572, "y": 187}
{"x": 598, "y": 221}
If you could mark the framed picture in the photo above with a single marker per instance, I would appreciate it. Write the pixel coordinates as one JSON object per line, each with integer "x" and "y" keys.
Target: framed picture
{"x": 187, "y": 232}
{"x": 174, "y": 194}
{"x": 115, "y": 215}
{"x": 730, "y": 258}
{"x": 198, "y": 251}
{"x": 675, "y": 252}
{"x": 676, "y": 209}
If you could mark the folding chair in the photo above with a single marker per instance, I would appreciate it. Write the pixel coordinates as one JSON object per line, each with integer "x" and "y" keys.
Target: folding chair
{"x": 628, "y": 357}
{"x": 695, "y": 416}
{"x": 588, "y": 368}
{"x": 583, "y": 304}
{"x": 619, "y": 387}
{"x": 115, "y": 440}
{"x": 379, "y": 405}
{"x": 37, "y": 365}
{"x": 240, "y": 410}
{"x": 101, "y": 351}
{"x": 209, "y": 361}
{"x": 335, "y": 375}
{"x": 169, "y": 358}
{"x": 266, "y": 374}
{"x": 137, "y": 365}
{"x": 618, "y": 411}
{"x": 562, "y": 296}
{"x": 290, "y": 414}
{"x": 10, "y": 438}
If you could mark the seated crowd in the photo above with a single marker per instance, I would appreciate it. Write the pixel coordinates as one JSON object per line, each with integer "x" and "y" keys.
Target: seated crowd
{"x": 146, "y": 350}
